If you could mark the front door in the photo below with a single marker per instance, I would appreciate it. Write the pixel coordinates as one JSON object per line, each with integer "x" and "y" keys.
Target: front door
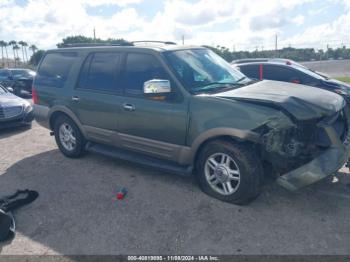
{"x": 157, "y": 127}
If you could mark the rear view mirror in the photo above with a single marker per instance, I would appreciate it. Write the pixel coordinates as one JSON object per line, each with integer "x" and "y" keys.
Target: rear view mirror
{"x": 157, "y": 86}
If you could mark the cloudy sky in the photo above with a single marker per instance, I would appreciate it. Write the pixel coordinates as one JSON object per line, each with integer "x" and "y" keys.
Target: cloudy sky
{"x": 239, "y": 24}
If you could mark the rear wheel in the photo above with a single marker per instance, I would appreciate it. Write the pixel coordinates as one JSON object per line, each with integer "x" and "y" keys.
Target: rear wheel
{"x": 68, "y": 137}
{"x": 229, "y": 171}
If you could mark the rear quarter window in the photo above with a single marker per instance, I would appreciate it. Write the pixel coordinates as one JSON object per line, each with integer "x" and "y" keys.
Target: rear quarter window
{"x": 54, "y": 69}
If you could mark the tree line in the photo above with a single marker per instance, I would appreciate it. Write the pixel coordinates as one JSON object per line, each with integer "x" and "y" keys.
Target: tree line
{"x": 20, "y": 51}
{"x": 15, "y": 46}
{"x": 296, "y": 54}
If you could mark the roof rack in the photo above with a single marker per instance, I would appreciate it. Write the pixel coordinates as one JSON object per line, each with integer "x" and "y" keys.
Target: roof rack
{"x": 247, "y": 60}
{"x": 156, "y": 42}
{"x": 94, "y": 44}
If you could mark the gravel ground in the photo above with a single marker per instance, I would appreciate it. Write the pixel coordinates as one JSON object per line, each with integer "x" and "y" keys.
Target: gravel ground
{"x": 162, "y": 214}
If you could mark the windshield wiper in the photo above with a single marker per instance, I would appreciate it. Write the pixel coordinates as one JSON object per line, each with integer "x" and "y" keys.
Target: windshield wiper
{"x": 210, "y": 86}
{"x": 244, "y": 77}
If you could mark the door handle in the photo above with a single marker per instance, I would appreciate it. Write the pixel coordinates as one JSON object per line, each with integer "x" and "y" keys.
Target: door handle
{"x": 75, "y": 98}
{"x": 128, "y": 107}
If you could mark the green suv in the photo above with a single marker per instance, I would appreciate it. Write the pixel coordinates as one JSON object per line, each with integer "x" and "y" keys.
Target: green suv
{"x": 185, "y": 110}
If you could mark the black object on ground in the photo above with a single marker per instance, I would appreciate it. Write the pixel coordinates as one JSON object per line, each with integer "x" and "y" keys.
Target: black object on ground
{"x": 10, "y": 203}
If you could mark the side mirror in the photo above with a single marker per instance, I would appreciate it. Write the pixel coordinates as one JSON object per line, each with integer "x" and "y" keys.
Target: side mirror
{"x": 10, "y": 89}
{"x": 156, "y": 87}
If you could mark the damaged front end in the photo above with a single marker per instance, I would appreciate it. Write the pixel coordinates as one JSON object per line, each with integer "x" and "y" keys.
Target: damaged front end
{"x": 303, "y": 152}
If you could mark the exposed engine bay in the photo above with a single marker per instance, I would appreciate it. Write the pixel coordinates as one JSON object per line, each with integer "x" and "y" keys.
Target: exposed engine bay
{"x": 290, "y": 144}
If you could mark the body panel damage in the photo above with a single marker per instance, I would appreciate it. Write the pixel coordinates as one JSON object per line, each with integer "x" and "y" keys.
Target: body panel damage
{"x": 327, "y": 163}
{"x": 303, "y": 102}
{"x": 308, "y": 139}
{"x": 296, "y": 154}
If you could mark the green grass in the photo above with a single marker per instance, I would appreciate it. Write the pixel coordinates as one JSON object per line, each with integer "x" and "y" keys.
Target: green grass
{"x": 344, "y": 79}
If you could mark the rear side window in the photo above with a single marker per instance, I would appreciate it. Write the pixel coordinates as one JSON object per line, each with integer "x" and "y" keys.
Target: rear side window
{"x": 280, "y": 73}
{"x": 101, "y": 72}
{"x": 139, "y": 69}
{"x": 251, "y": 71}
{"x": 55, "y": 68}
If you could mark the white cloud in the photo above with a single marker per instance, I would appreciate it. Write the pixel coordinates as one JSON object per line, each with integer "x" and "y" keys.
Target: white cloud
{"x": 110, "y": 2}
{"x": 246, "y": 24}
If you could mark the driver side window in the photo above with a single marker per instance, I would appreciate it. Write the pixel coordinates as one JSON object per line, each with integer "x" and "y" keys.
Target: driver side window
{"x": 139, "y": 69}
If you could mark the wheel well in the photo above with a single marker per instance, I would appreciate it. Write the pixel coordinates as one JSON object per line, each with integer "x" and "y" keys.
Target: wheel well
{"x": 224, "y": 138}
{"x": 54, "y": 116}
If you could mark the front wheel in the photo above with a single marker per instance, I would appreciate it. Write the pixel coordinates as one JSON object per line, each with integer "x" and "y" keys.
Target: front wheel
{"x": 229, "y": 171}
{"x": 68, "y": 137}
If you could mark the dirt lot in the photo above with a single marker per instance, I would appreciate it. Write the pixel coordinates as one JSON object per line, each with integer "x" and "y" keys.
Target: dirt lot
{"x": 162, "y": 214}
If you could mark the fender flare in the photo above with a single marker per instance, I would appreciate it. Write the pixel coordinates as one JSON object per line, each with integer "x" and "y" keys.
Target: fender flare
{"x": 244, "y": 135}
{"x": 69, "y": 113}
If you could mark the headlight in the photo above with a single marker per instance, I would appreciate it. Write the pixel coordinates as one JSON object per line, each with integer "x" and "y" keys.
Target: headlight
{"x": 28, "y": 108}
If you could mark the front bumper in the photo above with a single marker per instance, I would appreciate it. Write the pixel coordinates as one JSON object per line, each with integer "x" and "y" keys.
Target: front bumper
{"x": 327, "y": 163}
{"x": 24, "y": 120}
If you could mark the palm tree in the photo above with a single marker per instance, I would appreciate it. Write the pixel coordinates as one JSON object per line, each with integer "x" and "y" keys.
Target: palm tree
{"x": 13, "y": 43}
{"x": 7, "y": 55}
{"x": 25, "y": 44}
{"x": 33, "y": 48}
{"x": 21, "y": 43}
{"x": 2, "y": 45}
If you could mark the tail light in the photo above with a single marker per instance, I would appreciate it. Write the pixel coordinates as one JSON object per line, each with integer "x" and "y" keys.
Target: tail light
{"x": 296, "y": 81}
{"x": 35, "y": 96}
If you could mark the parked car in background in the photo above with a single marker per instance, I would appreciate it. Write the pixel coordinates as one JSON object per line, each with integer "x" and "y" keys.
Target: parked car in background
{"x": 14, "y": 111}
{"x": 184, "y": 109}
{"x": 18, "y": 79}
{"x": 290, "y": 71}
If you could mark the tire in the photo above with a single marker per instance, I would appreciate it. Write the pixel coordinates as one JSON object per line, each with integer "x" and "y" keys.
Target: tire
{"x": 243, "y": 172}
{"x": 77, "y": 149}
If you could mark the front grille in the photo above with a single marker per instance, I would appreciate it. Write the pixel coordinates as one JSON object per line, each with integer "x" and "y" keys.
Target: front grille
{"x": 10, "y": 111}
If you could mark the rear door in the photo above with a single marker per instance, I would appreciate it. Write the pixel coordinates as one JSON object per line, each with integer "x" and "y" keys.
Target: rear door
{"x": 96, "y": 99}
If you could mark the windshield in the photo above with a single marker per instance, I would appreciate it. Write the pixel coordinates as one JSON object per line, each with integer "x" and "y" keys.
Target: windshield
{"x": 2, "y": 90}
{"x": 201, "y": 70}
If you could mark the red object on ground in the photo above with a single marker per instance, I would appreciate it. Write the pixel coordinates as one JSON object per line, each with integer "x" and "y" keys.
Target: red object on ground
{"x": 122, "y": 193}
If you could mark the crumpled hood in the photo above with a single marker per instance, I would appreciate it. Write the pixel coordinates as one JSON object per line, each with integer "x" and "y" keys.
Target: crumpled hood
{"x": 303, "y": 102}
{"x": 9, "y": 99}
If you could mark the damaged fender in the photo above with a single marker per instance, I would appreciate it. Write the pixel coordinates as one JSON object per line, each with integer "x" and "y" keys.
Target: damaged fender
{"x": 327, "y": 163}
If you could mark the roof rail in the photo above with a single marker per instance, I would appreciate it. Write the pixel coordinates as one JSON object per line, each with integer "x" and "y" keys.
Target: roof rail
{"x": 156, "y": 42}
{"x": 247, "y": 60}
{"x": 94, "y": 44}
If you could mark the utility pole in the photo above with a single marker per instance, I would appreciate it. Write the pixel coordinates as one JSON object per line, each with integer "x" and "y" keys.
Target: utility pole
{"x": 276, "y": 43}
{"x": 183, "y": 39}
{"x": 276, "y": 46}
{"x": 94, "y": 35}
